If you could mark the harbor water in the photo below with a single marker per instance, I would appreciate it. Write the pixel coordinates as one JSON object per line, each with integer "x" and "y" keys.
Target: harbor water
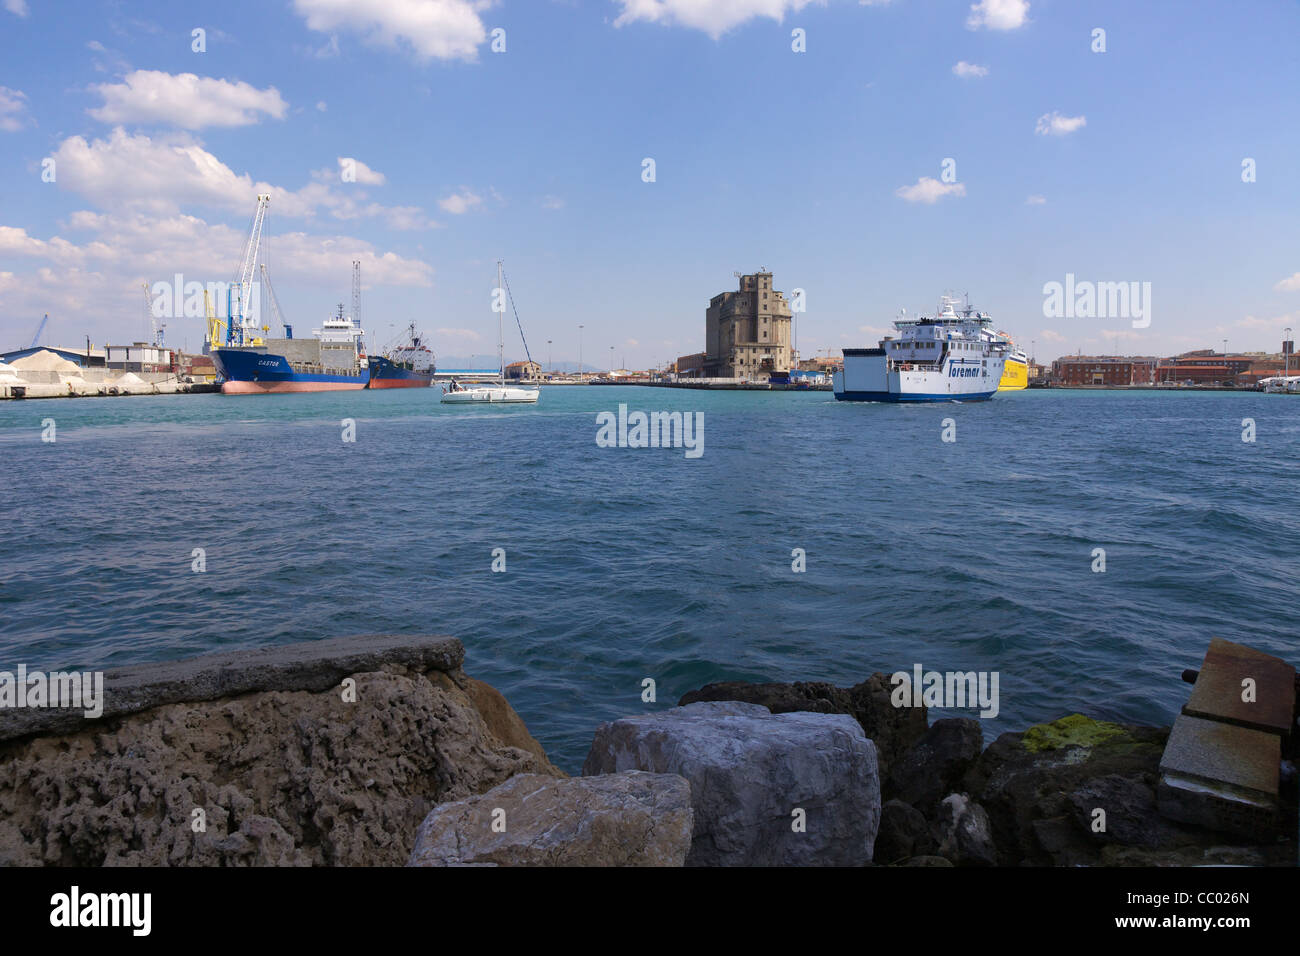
{"x": 623, "y": 564}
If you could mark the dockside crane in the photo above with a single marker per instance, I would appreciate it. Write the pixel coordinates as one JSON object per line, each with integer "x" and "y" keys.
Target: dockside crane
{"x": 241, "y": 307}
{"x": 156, "y": 328}
{"x": 356, "y": 291}
{"x": 36, "y": 339}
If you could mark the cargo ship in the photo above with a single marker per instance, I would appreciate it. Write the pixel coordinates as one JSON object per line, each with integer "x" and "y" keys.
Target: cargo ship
{"x": 333, "y": 359}
{"x": 944, "y": 358}
{"x": 409, "y": 364}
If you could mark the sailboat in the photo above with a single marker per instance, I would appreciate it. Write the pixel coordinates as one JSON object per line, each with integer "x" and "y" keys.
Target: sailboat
{"x": 501, "y": 393}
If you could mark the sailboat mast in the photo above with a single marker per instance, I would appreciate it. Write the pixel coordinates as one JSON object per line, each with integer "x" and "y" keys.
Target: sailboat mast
{"x": 501, "y": 330}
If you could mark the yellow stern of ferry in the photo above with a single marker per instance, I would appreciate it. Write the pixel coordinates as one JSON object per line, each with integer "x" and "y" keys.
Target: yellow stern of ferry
{"x": 1015, "y": 373}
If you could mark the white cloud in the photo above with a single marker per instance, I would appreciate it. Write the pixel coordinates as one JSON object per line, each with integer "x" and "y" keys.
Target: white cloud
{"x": 467, "y": 335}
{"x": 1110, "y": 335}
{"x": 363, "y": 173}
{"x": 1054, "y": 124}
{"x": 460, "y": 203}
{"x": 17, "y": 7}
{"x": 1275, "y": 324}
{"x": 967, "y": 70}
{"x": 552, "y": 202}
{"x": 157, "y": 246}
{"x": 998, "y": 14}
{"x": 160, "y": 176}
{"x": 1289, "y": 284}
{"x": 329, "y": 50}
{"x": 1050, "y": 335}
{"x": 929, "y": 190}
{"x": 94, "y": 288}
{"x": 13, "y": 109}
{"x": 320, "y": 105}
{"x": 185, "y": 100}
{"x": 714, "y": 17}
{"x": 441, "y": 29}
{"x": 1036, "y": 201}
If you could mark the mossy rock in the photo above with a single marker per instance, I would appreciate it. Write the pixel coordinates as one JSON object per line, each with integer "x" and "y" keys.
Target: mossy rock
{"x": 1073, "y": 731}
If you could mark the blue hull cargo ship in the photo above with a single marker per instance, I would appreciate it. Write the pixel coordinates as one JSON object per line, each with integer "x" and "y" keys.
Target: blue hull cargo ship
{"x": 332, "y": 360}
{"x": 409, "y": 364}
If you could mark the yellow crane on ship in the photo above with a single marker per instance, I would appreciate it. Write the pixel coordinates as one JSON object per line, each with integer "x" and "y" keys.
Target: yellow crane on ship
{"x": 216, "y": 327}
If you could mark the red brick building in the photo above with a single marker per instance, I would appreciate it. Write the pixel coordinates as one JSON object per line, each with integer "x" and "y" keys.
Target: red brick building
{"x": 1205, "y": 367}
{"x": 1111, "y": 370}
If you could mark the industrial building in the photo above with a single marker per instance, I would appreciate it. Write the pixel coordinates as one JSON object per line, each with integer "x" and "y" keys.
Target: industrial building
{"x": 747, "y": 332}
{"x": 139, "y": 357}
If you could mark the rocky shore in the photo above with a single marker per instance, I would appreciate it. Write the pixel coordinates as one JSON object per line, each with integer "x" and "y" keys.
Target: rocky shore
{"x": 383, "y": 751}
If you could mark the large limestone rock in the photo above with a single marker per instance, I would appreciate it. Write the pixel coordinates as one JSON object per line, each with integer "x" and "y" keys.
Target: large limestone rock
{"x": 892, "y": 729}
{"x": 258, "y": 758}
{"x": 624, "y": 819}
{"x": 750, "y": 771}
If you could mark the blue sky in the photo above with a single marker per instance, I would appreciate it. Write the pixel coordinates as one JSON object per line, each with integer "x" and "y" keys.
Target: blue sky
{"x": 811, "y": 164}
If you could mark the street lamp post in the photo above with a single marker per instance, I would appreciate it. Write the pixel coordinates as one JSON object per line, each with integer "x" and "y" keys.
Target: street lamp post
{"x": 550, "y": 369}
{"x": 611, "y": 361}
{"x": 579, "y": 353}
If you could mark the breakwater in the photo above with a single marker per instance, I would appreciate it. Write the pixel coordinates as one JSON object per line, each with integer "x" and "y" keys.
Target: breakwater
{"x": 379, "y": 750}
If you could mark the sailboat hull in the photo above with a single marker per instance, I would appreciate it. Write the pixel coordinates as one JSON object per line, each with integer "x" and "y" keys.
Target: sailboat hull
{"x": 490, "y": 395}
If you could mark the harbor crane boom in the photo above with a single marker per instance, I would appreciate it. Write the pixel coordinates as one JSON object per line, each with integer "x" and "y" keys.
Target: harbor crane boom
{"x": 156, "y": 328}
{"x": 241, "y": 318}
{"x": 36, "y": 339}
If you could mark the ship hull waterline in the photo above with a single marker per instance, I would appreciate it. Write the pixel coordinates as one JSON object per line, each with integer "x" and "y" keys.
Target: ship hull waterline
{"x": 385, "y": 373}
{"x": 253, "y": 372}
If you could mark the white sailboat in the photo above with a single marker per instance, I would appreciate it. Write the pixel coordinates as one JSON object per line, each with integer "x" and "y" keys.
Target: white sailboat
{"x": 500, "y": 393}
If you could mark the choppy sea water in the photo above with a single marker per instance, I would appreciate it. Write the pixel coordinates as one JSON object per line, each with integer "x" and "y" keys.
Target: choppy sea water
{"x": 623, "y": 564}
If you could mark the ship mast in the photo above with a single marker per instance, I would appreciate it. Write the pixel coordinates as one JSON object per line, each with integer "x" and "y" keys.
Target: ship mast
{"x": 501, "y": 331}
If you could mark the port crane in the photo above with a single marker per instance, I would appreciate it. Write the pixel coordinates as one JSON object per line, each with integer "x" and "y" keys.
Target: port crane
{"x": 156, "y": 328}
{"x": 241, "y": 306}
{"x": 36, "y": 339}
{"x": 356, "y": 291}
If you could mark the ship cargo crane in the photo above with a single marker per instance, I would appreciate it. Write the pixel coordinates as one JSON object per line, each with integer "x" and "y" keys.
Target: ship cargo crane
{"x": 36, "y": 339}
{"x": 275, "y": 303}
{"x": 241, "y": 308}
{"x": 215, "y": 326}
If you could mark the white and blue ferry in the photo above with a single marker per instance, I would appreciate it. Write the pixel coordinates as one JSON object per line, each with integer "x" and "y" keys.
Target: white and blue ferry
{"x": 951, "y": 356}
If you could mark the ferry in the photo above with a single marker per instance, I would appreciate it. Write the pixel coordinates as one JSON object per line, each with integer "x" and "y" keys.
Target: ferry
{"x": 333, "y": 359}
{"x": 1015, "y": 374}
{"x": 409, "y": 364}
{"x": 947, "y": 357}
